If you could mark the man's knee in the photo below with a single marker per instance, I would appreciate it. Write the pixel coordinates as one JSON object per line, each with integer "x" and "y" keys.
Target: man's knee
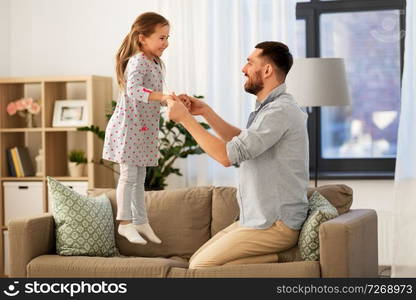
{"x": 199, "y": 262}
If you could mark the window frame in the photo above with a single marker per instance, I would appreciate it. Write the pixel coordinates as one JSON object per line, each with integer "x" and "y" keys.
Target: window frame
{"x": 356, "y": 168}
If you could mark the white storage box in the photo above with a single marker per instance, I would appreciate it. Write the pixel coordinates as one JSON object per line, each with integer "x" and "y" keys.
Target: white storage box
{"x": 81, "y": 187}
{"x": 22, "y": 199}
{"x": 6, "y": 252}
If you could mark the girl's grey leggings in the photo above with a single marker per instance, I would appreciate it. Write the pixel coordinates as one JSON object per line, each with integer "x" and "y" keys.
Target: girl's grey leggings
{"x": 131, "y": 205}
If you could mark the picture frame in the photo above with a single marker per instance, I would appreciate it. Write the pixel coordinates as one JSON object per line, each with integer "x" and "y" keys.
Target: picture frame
{"x": 70, "y": 113}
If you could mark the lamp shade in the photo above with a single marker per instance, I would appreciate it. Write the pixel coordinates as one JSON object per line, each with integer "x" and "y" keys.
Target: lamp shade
{"x": 318, "y": 82}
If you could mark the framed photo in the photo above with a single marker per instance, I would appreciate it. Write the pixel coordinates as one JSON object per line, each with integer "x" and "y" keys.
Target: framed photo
{"x": 70, "y": 113}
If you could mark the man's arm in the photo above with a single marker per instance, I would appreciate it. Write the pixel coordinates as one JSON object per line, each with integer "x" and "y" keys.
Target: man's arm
{"x": 225, "y": 130}
{"x": 212, "y": 145}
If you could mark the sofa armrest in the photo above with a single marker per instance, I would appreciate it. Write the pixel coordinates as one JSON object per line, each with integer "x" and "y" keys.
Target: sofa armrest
{"x": 349, "y": 246}
{"x": 29, "y": 238}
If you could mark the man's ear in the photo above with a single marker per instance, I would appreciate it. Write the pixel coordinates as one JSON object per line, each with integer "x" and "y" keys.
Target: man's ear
{"x": 268, "y": 70}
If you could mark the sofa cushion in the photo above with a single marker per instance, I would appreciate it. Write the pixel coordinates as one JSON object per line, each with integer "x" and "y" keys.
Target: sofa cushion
{"x": 289, "y": 255}
{"x": 81, "y": 266}
{"x": 84, "y": 226}
{"x": 225, "y": 208}
{"x": 339, "y": 195}
{"x": 320, "y": 211}
{"x": 181, "y": 218}
{"x": 272, "y": 270}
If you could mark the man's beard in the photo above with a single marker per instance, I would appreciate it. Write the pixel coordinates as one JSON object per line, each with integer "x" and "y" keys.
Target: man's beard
{"x": 254, "y": 86}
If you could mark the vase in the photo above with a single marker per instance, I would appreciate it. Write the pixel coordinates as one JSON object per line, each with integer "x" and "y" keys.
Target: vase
{"x": 76, "y": 170}
{"x": 30, "y": 122}
{"x": 39, "y": 163}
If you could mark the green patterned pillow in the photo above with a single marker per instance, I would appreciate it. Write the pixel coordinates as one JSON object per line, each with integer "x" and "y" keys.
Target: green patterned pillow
{"x": 320, "y": 211}
{"x": 84, "y": 226}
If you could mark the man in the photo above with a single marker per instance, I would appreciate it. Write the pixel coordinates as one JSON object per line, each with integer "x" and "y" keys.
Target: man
{"x": 272, "y": 154}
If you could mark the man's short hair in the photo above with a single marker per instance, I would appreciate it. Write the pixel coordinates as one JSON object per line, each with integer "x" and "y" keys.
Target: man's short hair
{"x": 278, "y": 53}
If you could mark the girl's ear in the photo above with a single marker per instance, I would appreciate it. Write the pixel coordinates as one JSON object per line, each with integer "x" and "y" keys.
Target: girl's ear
{"x": 141, "y": 38}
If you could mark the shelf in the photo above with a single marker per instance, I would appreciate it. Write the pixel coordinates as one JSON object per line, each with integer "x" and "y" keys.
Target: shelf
{"x": 32, "y": 178}
{"x": 63, "y": 178}
{"x": 36, "y": 129}
{"x": 51, "y": 79}
{"x": 56, "y": 142}
{"x": 13, "y": 80}
{"x": 69, "y": 178}
{"x": 60, "y": 129}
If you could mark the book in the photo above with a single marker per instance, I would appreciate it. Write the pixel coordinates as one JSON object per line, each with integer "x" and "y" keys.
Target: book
{"x": 19, "y": 172}
{"x": 25, "y": 161}
{"x": 12, "y": 170}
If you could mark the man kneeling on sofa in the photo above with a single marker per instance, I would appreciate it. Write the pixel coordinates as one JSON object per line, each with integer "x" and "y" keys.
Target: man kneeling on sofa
{"x": 272, "y": 154}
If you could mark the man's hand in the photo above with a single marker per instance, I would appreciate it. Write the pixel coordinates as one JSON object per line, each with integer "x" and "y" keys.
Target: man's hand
{"x": 195, "y": 106}
{"x": 176, "y": 109}
{"x": 185, "y": 99}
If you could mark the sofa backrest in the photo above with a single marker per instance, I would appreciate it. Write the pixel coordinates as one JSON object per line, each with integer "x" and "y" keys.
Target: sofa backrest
{"x": 181, "y": 218}
{"x": 185, "y": 219}
{"x": 225, "y": 208}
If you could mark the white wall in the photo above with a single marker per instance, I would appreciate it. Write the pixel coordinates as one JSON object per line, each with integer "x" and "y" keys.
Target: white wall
{"x": 77, "y": 37}
{"x": 4, "y": 38}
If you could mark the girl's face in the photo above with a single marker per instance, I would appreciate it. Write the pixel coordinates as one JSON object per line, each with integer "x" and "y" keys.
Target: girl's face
{"x": 157, "y": 42}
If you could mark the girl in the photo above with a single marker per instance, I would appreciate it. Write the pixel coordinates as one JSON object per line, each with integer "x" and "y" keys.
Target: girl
{"x": 131, "y": 136}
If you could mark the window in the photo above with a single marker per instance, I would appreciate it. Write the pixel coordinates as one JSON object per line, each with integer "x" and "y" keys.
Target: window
{"x": 359, "y": 140}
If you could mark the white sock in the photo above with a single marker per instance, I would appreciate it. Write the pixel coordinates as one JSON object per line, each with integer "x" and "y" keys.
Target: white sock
{"x": 146, "y": 230}
{"x": 130, "y": 233}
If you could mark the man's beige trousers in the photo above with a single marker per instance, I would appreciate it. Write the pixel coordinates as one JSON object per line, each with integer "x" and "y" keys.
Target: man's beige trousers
{"x": 242, "y": 245}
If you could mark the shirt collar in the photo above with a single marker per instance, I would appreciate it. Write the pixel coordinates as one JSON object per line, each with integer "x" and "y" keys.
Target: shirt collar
{"x": 273, "y": 95}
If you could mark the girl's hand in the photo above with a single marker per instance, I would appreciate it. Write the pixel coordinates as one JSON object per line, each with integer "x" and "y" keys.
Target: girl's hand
{"x": 165, "y": 98}
{"x": 176, "y": 109}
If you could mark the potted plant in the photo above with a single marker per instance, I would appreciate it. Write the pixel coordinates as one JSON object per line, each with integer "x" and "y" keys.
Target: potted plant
{"x": 175, "y": 142}
{"x": 76, "y": 164}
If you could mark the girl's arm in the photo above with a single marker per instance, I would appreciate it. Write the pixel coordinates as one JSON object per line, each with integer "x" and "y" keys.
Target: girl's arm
{"x": 158, "y": 96}
{"x": 135, "y": 88}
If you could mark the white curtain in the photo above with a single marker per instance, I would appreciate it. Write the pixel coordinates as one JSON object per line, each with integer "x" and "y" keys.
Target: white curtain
{"x": 210, "y": 41}
{"x": 404, "y": 245}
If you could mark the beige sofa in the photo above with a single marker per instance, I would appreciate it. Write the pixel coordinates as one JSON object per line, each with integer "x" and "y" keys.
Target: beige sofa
{"x": 185, "y": 219}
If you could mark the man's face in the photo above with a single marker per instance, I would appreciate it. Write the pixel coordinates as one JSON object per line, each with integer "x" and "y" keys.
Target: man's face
{"x": 253, "y": 71}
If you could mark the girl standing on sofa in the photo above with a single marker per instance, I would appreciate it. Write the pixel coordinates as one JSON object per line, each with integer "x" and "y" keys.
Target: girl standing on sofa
{"x": 131, "y": 136}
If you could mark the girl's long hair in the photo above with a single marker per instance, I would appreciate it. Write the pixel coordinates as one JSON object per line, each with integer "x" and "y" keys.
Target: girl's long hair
{"x": 144, "y": 24}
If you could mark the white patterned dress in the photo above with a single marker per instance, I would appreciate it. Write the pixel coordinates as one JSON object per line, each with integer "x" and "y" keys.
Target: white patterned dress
{"x": 131, "y": 136}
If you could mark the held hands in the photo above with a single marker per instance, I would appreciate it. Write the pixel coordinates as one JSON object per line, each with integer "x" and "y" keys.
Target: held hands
{"x": 193, "y": 105}
{"x": 186, "y": 100}
{"x": 177, "y": 110}
{"x": 183, "y": 98}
